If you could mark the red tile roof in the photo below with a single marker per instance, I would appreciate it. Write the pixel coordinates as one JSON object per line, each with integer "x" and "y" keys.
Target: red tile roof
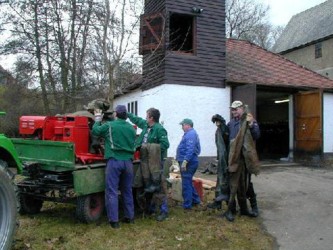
{"x": 249, "y": 63}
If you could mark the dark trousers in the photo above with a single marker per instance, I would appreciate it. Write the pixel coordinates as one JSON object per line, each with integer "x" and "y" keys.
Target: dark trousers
{"x": 250, "y": 194}
{"x": 119, "y": 176}
{"x": 238, "y": 186}
{"x": 222, "y": 181}
{"x": 151, "y": 168}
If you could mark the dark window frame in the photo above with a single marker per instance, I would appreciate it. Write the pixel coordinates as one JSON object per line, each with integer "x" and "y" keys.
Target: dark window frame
{"x": 132, "y": 107}
{"x": 152, "y": 32}
{"x": 318, "y": 50}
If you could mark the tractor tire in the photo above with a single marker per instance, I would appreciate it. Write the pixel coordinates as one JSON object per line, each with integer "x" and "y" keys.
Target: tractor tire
{"x": 29, "y": 204}
{"x": 8, "y": 208}
{"x": 89, "y": 208}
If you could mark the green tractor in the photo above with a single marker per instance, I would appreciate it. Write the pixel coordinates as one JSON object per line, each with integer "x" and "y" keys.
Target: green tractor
{"x": 9, "y": 163}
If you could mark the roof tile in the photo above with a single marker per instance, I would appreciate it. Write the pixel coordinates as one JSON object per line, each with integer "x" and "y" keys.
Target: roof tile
{"x": 249, "y": 63}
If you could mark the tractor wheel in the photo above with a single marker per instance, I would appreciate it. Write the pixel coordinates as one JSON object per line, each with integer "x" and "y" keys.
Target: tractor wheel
{"x": 30, "y": 205}
{"x": 89, "y": 208}
{"x": 8, "y": 209}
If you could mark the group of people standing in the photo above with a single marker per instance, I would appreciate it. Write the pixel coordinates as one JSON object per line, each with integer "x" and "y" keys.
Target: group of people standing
{"x": 120, "y": 143}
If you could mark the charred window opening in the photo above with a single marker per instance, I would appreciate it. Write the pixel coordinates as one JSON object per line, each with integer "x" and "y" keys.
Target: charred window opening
{"x": 181, "y": 33}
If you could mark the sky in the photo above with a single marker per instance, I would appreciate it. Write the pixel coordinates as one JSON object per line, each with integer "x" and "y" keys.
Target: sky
{"x": 281, "y": 11}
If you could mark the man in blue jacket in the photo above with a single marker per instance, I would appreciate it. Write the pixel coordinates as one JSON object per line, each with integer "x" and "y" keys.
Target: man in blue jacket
{"x": 187, "y": 156}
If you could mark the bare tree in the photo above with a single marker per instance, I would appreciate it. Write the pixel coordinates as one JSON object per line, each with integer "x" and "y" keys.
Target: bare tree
{"x": 264, "y": 35}
{"x": 114, "y": 32}
{"x": 248, "y": 20}
{"x": 243, "y": 16}
{"x": 66, "y": 43}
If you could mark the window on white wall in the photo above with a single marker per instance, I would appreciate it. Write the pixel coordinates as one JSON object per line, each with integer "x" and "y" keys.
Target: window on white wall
{"x": 318, "y": 50}
{"x": 132, "y": 107}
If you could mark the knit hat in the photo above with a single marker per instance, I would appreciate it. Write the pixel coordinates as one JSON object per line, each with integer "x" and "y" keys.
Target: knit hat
{"x": 121, "y": 109}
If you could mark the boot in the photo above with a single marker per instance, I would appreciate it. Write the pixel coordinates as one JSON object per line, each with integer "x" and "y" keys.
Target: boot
{"x": 254, "y": 207}
{"x": 154, "y": 183}
{"x": 232, "y": 207}
{"x": 205, "y": 171}
{"x": 215, "y": 205}
{"x": 222, "y": 197}
{"x": 114, "y": 225}
{"x": 162, "y": 217}
{"x": 229, "y": 215}
{"x": 153, "y": 187}
{"x": 244, "y": 209}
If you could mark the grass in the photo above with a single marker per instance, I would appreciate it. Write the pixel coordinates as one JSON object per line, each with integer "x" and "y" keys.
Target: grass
{"x": 56, "y": 228}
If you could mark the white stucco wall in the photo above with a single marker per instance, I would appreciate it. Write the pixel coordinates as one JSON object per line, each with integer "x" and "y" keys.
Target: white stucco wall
{"x": 177, "y": 102}
{"x": 327, "y": 123}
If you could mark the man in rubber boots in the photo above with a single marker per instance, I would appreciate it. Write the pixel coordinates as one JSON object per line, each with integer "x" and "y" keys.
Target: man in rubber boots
{"x": 242, "y": 160}
{"x": 222, "y": 182}
{"x": 153, "y": 143}
{"x": 119, "y": 138}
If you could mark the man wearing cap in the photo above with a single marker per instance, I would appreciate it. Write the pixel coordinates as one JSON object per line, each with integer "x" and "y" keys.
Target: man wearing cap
{"x": 242, "y": 160}
{"x": 188, "y": 151}
{"x": 119, "y": 138}
{"x": 153, "y": 143}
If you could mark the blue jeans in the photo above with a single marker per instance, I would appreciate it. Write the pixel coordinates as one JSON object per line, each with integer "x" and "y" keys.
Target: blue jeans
{"x": 119, "y": 175}
{"x": 190, "y": 194}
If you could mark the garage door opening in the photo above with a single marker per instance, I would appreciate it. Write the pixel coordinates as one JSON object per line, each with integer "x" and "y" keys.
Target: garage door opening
{"x": 273, "y": 119}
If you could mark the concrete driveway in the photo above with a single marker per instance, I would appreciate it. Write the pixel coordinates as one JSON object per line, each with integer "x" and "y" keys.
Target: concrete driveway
{"x": 296, "y": 205}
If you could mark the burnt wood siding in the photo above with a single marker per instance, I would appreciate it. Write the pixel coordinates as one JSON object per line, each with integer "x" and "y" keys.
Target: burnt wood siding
{"x": 153, "y": 64}
{"x": 152, "y": 6}
{"x": 206, "y": 67}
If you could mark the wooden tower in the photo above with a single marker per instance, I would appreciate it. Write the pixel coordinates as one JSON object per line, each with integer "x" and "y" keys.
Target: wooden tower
{"x": 183, "y": 42}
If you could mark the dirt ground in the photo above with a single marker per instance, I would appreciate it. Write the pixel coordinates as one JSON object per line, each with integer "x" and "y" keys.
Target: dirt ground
{"x": 296, "y": 205}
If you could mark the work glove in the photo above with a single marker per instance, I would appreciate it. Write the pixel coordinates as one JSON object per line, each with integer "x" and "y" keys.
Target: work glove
{"x": 250, "y": 119}
{"x": 98, "y": 115}
{"x": 183, "y": 166}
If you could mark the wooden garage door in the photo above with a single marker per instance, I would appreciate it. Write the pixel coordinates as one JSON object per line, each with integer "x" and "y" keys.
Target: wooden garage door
{"x": 308, "y": 126}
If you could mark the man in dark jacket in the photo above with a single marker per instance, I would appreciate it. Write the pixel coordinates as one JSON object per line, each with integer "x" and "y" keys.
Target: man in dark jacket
{"x": 243, "y": 160}
{"x": 222, "y": 182}
{"x": 153, "y": 143}
{"x": 119, "y": 139}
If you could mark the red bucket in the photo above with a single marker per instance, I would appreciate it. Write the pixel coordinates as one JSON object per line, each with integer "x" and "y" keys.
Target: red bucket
{"x": 199, "y": 188}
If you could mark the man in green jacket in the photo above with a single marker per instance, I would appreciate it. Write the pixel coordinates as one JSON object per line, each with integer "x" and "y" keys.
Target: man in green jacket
{"x": 153, "y": 143}
{"x": 119, "y": 138}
